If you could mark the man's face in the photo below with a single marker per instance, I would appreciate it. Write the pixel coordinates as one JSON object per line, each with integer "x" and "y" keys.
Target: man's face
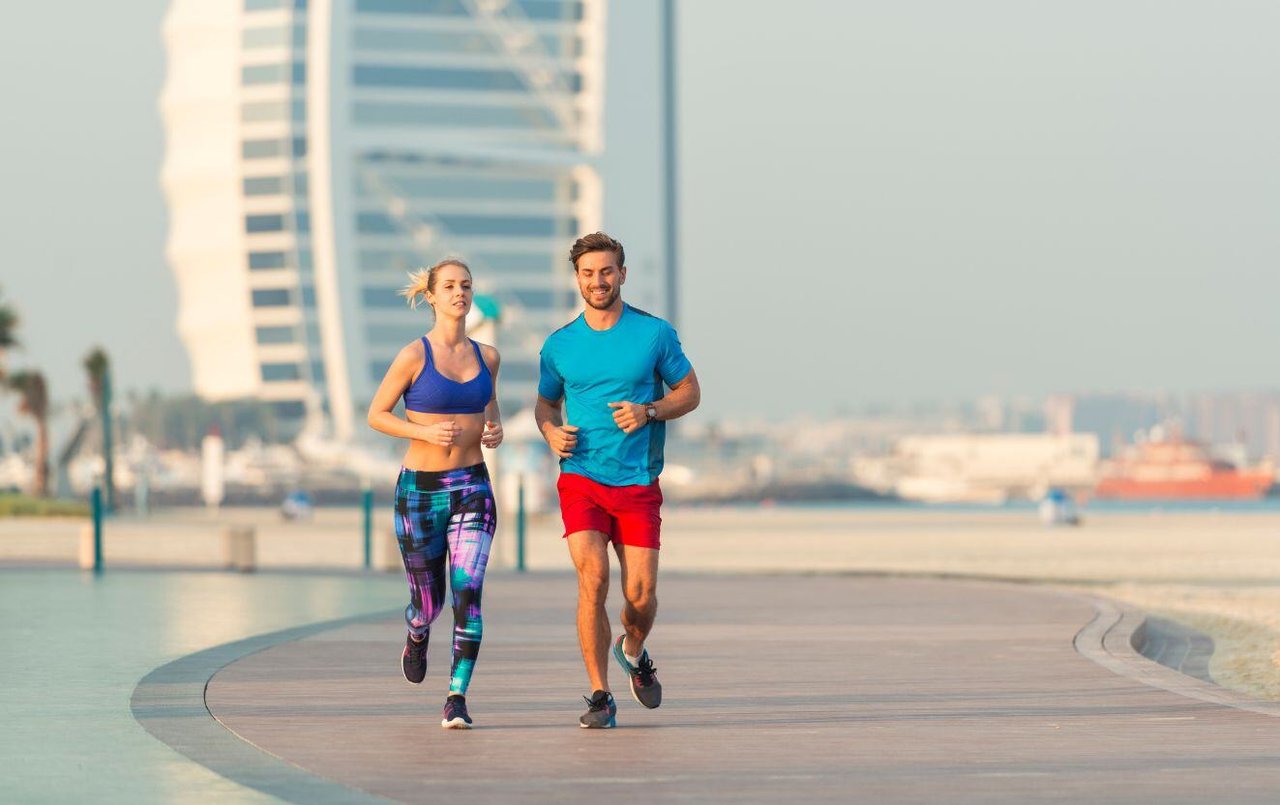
{"x": 600, "y": 279}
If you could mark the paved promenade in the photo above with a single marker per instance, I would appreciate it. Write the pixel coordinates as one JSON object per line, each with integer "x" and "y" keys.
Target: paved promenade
{"x": 778, "y": 688}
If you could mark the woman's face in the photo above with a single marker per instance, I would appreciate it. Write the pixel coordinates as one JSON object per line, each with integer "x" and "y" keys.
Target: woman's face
{"x": 452, "y": 296}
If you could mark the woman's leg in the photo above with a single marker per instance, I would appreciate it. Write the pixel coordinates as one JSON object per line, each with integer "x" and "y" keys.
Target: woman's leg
{"x": 421, "y": 519}
{"x": 470, "y": 530}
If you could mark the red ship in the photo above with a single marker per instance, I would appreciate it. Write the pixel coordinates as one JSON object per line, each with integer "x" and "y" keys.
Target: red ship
{"x": 1179, "y": 470}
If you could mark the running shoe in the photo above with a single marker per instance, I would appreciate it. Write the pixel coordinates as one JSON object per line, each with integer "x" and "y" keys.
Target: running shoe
{"x": 455, "y": 714}
{"x": 414, "y": 659}
{"x": 645, "y": 687}
{"x": 601, "y": 712}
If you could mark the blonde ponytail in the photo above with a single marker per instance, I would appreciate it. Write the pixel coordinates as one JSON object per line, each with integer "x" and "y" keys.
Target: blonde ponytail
{"x": 423, "y": 281}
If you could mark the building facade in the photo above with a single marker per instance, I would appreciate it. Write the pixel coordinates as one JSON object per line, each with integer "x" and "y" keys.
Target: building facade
{"x": 318, "y": 150}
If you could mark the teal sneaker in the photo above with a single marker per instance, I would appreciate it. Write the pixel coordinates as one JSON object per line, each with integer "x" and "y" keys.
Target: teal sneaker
{"x": 601, "y": 712}
{"x": 645, "y": 687}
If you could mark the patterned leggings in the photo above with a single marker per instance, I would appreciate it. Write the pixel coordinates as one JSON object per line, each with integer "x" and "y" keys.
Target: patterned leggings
{"x": 446, "y": 515}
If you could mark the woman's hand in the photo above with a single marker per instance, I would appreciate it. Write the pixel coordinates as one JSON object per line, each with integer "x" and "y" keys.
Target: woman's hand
{"x": 492, "y": 436}
{"x": 441, "y": 433}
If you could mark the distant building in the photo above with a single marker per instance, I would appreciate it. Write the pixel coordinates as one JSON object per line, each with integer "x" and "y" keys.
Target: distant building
{"x": 1059, "y": 413}
{"x": 317, "y": 150}
{"x": 982, "y": 468}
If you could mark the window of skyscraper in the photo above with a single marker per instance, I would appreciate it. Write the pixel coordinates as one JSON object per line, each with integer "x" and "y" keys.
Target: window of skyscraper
{"x": 272, "y": 5}
{"x": 514, "y": 262}
{"x": 505, "y": 225}
{"x": 263, "y": 223}
{"x": 378, "y": 368}
{"x": 381, "y": 296}
{"x": 267, "y": 260}
{"x": 401, "y": 114}
{"x": 263, "y": 185}
{"x": 533, "y": 9}
{"x": 277, "y": 335}
{"x": 289, "y": 409}
{"x": 473, "y": 187}
{"x": 272, "y": 297}
{"x": 392, "y": 334}
{"x": 272, "y": 74}
{"x": 382, "y": 40}
{"x": 278, "y": 372}
{"x": 367, "y": 75}
{"x": 261, "y": 149}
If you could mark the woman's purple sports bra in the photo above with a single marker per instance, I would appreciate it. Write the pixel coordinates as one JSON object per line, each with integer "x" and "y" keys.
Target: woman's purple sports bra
{"x": 433, "y": 393}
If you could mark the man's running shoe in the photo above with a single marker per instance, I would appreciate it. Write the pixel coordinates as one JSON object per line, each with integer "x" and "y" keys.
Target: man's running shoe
{"x": 601, "y": 712}
{"x": 645, "y": 687}
{"x": 455, "y": 714}
{"x": 414, "y": 659}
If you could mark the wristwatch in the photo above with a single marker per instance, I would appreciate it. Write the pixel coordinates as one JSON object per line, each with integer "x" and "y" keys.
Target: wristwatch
{"x": 651, "y": 412}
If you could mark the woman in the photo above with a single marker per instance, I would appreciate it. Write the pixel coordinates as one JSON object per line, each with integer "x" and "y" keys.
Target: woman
{"x": 444, "y": 501}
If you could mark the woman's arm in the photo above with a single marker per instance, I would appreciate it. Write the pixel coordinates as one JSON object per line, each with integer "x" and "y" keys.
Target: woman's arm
{"x": 394, "y": 382}
{"x": 492, "y": 436}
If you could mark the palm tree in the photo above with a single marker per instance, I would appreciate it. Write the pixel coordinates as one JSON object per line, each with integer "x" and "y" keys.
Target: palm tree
{"x": 98, "y": 365}
{"x": 8, "y": 327}
{"x": 34, "y": 401}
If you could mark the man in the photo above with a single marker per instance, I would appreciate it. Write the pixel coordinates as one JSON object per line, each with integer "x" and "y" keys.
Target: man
{"x": 608, "y": 367}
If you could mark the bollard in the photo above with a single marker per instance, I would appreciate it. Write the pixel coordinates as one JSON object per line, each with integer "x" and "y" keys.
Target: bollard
{"x": 520, "y": 524}
{"x": 368, "y": 528}
{"x": 86, "y": 559}
{"x": 387, "y": 551}
{"x": 239, "y": 548}
{"x": 96, "y": 505}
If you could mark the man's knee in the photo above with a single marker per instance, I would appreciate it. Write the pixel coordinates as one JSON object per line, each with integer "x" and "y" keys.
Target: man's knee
{"x": 643, "y": 597}
{"x": 593, "y": 586}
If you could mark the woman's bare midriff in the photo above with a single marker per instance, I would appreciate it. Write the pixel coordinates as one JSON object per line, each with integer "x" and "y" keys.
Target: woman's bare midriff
{"x": 464, "y": 452}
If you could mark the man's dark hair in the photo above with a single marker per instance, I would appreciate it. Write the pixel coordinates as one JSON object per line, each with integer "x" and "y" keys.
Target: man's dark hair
{"x": 596, "y": 242}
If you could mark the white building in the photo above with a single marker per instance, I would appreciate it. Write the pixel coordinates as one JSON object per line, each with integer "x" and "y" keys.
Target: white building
{"x": 989, "y": 468}
{"x": 317, "y": 150}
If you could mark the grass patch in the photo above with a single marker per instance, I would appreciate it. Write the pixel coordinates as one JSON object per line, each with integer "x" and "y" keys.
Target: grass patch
{"x": 18, "y": 505}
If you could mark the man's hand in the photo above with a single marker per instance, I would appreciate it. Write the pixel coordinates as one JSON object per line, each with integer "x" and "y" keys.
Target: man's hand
{"x": 492, "y": 435}
{"x": 562, "y": 439}
{"x": 629, "y": 416}
{"x": 441, "y": 433}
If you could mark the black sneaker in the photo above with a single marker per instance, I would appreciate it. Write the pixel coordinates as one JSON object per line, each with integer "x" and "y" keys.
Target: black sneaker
{"x": 645, "y": 687}
{"x": 455, "y": 714}
{"x": 601, "y": 712}
{"x": 414, "y": 659}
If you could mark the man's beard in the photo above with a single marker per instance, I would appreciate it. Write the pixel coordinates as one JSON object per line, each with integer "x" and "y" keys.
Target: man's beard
{"x": 609, "y": 299}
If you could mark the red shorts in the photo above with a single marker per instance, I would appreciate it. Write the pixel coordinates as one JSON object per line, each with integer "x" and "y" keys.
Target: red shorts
{"x": 629, "y": 515}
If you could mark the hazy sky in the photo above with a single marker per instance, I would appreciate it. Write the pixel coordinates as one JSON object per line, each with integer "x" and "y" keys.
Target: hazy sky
{"x": 881, "y": 201}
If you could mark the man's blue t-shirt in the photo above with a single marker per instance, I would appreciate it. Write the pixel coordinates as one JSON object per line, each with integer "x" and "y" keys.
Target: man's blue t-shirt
{"x": 592, "y": 368}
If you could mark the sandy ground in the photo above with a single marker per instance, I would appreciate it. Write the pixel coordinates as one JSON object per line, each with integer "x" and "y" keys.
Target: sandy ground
{"x": 1214, "y": 571}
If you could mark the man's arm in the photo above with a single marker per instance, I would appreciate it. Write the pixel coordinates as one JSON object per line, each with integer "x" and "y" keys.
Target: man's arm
{"x": 561, "y": 438}
{"x": 684, "y": 396}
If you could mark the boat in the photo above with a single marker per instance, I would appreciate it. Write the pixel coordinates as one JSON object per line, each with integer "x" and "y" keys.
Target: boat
{"x": 1179, "y": 469}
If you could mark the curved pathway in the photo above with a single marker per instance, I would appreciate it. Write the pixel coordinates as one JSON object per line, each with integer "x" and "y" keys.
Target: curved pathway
{"x": 777, "y": 688}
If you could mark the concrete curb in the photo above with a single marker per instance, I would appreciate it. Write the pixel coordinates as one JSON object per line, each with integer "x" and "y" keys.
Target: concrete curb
{"x": 1115, "y": 639}
{"x": 170, "y": 704}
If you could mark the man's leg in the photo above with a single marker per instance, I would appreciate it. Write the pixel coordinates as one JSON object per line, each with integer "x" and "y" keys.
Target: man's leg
{"x": 591, "y": 558}
{"x": 640, "y": 594}
{"x": 639, "y": 587}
